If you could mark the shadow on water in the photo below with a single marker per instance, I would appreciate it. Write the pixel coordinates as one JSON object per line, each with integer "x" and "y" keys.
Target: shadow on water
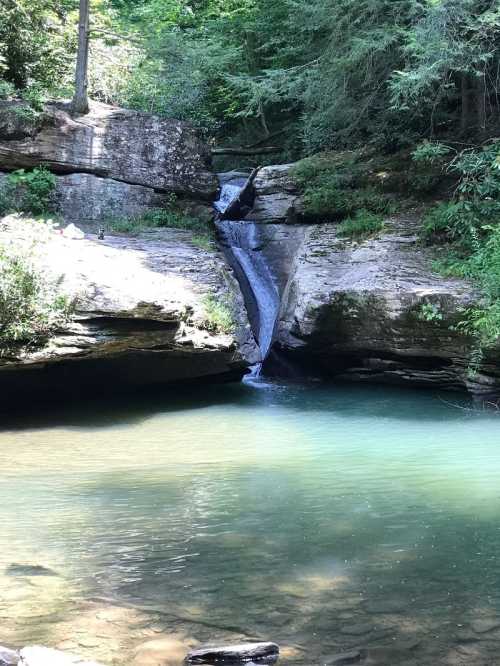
{"x": 323, "y": 517}
{"x": 298, "y": 567}
{"x": 340, "y": 398}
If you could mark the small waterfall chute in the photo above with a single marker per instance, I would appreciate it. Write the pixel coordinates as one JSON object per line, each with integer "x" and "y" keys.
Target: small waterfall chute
{"x": 242, "y": 242}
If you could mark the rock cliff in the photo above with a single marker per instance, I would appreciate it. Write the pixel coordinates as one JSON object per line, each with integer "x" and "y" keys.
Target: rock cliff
{"x": 126, "y": 146}
{"x": 370, "y": 310}
{"x": 141, "y": 316}
{"x": 374, "y": 310}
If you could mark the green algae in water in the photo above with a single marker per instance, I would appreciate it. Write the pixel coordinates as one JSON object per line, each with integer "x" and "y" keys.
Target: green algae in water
{"x": 326, "y": 519}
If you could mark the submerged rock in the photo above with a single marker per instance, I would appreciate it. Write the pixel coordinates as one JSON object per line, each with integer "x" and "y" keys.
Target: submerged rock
{"x": 485, "y": 625}
{"x": 141, "y": 317}
{"x": 246, "y": 652}
{"x": 345, "y": 658}
{"x": 29, "y": 570}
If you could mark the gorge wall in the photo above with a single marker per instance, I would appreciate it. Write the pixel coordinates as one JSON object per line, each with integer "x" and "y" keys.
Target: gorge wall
{"x": 356, "y": 309}
{"x": 349, "y": 309}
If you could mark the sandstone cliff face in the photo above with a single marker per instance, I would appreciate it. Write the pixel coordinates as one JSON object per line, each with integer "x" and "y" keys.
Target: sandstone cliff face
{"x": 360, "y": 310}
{"x": 140, "y": 316}
{"x": 126, "y": 146}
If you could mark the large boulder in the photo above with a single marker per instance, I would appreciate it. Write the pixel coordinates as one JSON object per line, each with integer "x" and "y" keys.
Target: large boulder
{"x": 374, "y": 310}
{"x": 277, "y": 197}
{"x": 127, "y": 146}
{"x": 142, "y": 315}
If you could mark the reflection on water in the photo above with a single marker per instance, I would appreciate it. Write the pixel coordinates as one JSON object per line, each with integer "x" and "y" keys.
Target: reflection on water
{"x": 326, "y": 519}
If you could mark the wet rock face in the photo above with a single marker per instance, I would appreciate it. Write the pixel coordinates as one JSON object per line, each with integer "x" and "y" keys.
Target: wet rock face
{"x": 373, "y": 310}
{"x": 140, "y": 316}
{"x": 127, "y": 146}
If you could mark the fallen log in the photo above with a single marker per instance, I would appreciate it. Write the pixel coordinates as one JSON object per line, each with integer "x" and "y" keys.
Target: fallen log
{"x": 265, "y": 150}
{"x": 243, "y": 201}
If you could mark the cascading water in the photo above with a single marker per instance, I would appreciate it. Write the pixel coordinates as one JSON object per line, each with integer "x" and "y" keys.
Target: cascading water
{"x": 243, "y": 246}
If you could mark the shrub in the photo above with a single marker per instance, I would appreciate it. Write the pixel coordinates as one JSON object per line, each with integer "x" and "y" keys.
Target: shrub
{"x": 36, "y": 97}
{"x": 28, "y": 191}
{"x": 333, "y": 187}
{"x": 159, "y": 218}
{"x": 431, "y": 152}
{"x": 363, "y": 224}
{"x": 218, "y": 314}
{"x": 429, "y": 312}
{"x": 30, "y": 305}
{"x": 7, "y": 90}
{"x": 468, "y": 226}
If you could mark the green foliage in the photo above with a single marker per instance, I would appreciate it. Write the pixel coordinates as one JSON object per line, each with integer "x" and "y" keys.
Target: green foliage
{"x": 333, "y": 187}
{"x": 219, "y": 316}
{"x": 28, "y": 191}
{"x": 430, "y": 152}
{"x": 170, "y": 217}
{"x": 7, "y": 90}
{"x": 468, "y": 225}
{"x": 307, "y": 76}
{"x": 363, "y": 224}
{"x": 430, "y": 312}
{"x": 37, "y": 42}
{"x": 466, "y": 219}
{"x": 31, "y": 305}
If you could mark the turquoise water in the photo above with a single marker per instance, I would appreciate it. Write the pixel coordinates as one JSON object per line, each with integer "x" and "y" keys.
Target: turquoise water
{"x": 324, "y": 518}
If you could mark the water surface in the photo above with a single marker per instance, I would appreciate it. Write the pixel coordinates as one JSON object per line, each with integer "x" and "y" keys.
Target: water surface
{"x": 325, "y": 518}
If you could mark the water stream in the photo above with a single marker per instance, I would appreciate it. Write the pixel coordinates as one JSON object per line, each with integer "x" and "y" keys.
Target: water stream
{"x": 243, "y": 243}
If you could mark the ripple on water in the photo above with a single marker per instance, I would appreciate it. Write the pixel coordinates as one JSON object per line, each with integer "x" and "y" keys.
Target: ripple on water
{"x": 327, "y": 519}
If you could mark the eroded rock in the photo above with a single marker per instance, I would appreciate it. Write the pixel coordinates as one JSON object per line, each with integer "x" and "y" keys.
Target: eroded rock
{"x": 277, "y": 198}
{"x": 140, "y": 319}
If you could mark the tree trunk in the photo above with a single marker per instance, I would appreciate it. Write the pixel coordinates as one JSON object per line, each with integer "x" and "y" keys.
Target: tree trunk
{"x": 80, "y": 99}
{"x": 481, "y": 102}
{"x": 465, "y": 106}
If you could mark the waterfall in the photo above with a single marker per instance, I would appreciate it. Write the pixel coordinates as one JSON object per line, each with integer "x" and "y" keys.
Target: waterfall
{"x": 242, "y": 243}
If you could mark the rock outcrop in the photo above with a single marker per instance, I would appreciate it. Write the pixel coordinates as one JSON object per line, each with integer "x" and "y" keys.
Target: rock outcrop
{"x": 374, "y": 310}
{"x": 126, "y": 146}
{"x": 141, "y": 315}
{"x": 277, "y": 198}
